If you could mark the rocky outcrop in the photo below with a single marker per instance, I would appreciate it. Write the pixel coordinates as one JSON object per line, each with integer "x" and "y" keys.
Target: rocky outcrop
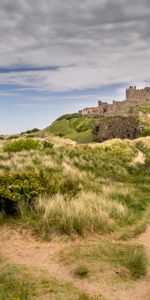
{"x": 117, "y": 127}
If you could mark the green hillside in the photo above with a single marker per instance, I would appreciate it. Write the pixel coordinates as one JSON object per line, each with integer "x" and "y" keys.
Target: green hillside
{"x": 143, "y": 108}
{"x": 73, "y": 126}
{"x": 80, "y": 128}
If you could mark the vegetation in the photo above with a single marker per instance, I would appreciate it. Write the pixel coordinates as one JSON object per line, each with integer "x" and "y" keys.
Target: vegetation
{"x": 55, "y": 186}
{"x": 143, "y": 108}
{"x": 17, "y": 283}
{"x": 81, "y": 271}
{"x": 76, "y": 189}
{"x": 73, "y": 126}
{"x": 34, "y": 130}
{"x": 20, "y": 145}
{"x": 88, "y": 212}
{"x": 128, "y": 260}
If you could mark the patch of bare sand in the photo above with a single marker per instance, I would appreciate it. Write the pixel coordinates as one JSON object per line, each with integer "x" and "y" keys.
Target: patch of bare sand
{"x": 140, "y": 158}
{"x": 22, "y": 248}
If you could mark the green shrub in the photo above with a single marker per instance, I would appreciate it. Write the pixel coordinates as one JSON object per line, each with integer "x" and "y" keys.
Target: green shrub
{"x": 81, "y": 271}
{"x": 47, "y": 145}
{"x": 70, "y": 187}
{"x": 34, "y": 130}
{"x": 2, "y": 137}
{"x": 16, "y": 188}
{"x": 21, "y": 144}
{"x": 13, "y": 137}
{"x": 50, "y": 181}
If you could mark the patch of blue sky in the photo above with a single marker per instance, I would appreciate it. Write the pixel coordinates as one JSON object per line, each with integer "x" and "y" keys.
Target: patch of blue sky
{"x": 22, "y": 108}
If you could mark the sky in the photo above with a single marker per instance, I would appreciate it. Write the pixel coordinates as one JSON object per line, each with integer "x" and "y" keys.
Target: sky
{"x": 57, "y": 56}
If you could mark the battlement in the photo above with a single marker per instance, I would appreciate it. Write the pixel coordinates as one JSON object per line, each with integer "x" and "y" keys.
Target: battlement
{"x": 134, "y": 97}
{"x": 132, "y": 93}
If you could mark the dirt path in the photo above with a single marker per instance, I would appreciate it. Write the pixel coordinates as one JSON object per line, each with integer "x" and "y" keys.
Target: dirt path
{"x": 140, "y": 158}
{"x": 21, "y": 248}
{"x": 141, "y": 290}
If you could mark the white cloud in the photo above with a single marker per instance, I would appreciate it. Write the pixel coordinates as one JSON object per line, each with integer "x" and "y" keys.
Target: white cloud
{"x": 102, "y": 42}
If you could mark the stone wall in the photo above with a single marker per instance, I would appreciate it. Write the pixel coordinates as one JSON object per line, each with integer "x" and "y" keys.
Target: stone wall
{"x": 134, "y": 97}
{"x": 117, "y": 127}
{"x": 138, "y": 94}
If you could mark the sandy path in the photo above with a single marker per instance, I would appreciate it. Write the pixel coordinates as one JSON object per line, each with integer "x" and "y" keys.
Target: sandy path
{"x": 140, "y": 158}
{"x": 21, "y": 248}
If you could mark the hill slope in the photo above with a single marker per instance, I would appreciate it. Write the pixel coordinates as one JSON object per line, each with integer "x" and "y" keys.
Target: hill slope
{"x": 73, "y": 126}
{"x": 81, "y": 128}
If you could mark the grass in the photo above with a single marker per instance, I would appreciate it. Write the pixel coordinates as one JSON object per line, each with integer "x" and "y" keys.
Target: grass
{"x": 143, "y": 108}
{"x": 76, "y": 189}
{"x": 73, "y": 126}
{"x": 128, "y": 260}
{"x": 84, "y": 214}
{"x": 21, "y": 145}
{"x": 81, "y": 271}
{"x": 60, "y": 187}
{"x": 18, "y": 283}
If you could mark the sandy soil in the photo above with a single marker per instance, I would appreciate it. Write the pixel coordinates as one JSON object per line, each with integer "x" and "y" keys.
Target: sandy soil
{"x": 140, "y": 158}
{"x": 22, "y": 248}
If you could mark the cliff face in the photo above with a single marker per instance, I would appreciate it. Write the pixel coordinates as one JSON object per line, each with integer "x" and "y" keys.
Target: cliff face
{"x": 117, "y": 127}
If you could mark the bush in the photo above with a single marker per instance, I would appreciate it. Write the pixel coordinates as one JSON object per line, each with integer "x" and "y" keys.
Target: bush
{"x": 21, "y": 144}
{"x": 16, "y": 188}
{"x": 70, "y": 187}
{"x": 34, "y": 130}
{"x": 2, "y": 137}
{"x": 81, "y": 271}
{"x": 47, "y": 145}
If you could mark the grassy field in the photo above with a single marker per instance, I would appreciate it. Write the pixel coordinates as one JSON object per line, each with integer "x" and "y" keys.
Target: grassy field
{"x": 20, "y": 283}
{"x": 53, "y": 186}
{"x": 75, "y": 189}
{"x": 125, "y": 261}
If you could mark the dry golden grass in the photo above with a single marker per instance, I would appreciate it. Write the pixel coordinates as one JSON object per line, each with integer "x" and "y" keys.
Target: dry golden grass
{"x": 88, "y": 212}
{"x": 145, "y": 141}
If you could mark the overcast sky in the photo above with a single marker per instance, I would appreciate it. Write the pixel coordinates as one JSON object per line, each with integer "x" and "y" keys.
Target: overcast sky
{"x": 57, "y": 56}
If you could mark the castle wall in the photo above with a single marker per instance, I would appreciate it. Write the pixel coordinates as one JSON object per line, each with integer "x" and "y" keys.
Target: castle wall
{"x": 138, "y": 94}
{"x": 117, "y": 127}
{"x": 133, "y": 97}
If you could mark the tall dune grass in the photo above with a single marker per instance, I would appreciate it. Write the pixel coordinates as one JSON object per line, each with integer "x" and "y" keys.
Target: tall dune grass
{"x": 87, "y": 213}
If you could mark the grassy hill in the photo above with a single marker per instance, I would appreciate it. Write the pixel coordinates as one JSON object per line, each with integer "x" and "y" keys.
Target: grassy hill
{"x": 73, "y": 126}
{"x": 81, "y": 129}
{"x": 105, "y": 189}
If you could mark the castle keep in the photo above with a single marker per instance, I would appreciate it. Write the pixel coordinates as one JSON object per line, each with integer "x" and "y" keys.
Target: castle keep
{"x": 134, "y": 97}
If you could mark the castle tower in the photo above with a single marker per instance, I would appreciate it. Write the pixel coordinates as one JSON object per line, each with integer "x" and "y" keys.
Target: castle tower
{"x": 131, "y": 93}
{"x": 140, "y": 95}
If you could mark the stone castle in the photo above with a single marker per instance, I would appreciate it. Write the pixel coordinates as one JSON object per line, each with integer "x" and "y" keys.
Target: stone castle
{"x": 134, "y": 97}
